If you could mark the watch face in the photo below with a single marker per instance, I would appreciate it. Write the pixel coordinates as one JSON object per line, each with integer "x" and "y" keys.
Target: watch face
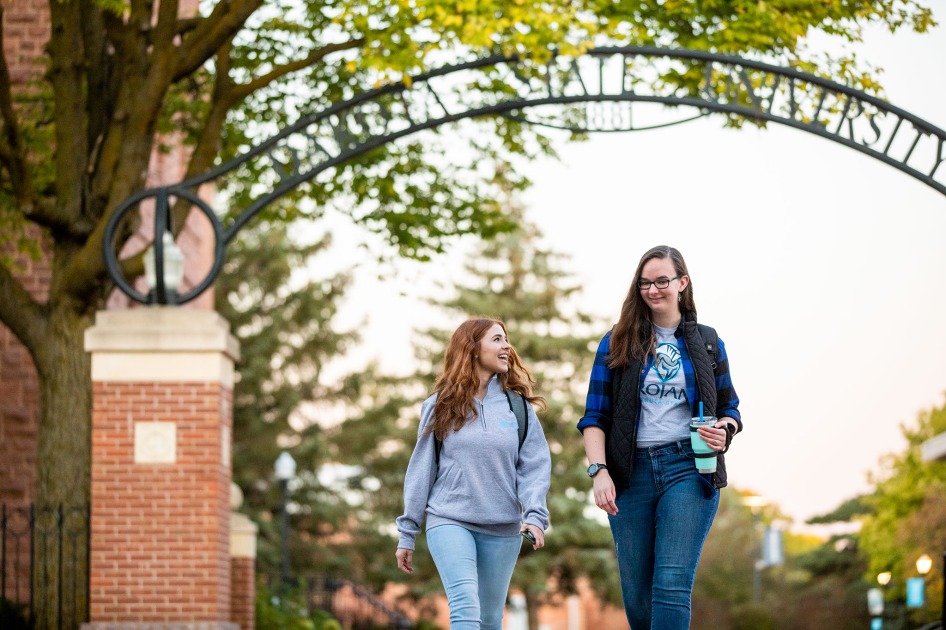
{"x": 593, "y": 469}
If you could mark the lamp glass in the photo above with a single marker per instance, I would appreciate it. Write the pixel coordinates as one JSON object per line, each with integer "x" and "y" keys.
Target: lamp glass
{"x": 173, "y": 264}
{"x": 285, "y": 466}
{"x": 923, "y": 564}
{"x": 884, "y": 578}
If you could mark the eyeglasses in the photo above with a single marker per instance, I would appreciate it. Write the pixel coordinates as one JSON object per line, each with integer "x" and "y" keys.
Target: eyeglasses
{"x": 660, "y": 283}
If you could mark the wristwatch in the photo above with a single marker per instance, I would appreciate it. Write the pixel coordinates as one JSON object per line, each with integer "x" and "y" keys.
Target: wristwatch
{"x": 594, "y": 468}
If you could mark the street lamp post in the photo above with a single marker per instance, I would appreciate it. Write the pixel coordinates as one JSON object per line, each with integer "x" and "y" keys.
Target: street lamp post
{"x": 883, "y": 579}
{"x": 923, "y": 565}
{"x": 285, "y": 470}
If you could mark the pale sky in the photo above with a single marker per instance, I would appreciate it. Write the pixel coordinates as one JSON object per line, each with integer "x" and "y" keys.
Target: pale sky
{"x": 822, "y": 269}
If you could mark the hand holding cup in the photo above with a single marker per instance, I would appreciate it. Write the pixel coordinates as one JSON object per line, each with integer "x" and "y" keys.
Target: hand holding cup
{"x": 714, "y": 436}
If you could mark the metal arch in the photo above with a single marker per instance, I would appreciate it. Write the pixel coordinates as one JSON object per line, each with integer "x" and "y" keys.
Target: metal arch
{"x": 606, "y": 81}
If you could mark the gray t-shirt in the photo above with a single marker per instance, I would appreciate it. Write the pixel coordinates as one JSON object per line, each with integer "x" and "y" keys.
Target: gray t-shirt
{"x": 665, "y": 412}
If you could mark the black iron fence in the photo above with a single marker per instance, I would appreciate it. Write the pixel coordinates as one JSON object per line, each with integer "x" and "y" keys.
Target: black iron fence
{"x": 354, "y": 605}
{"x": 44, "y": 567}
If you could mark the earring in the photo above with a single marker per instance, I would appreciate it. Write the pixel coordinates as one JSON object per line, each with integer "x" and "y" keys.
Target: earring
{"x": 679, "y": 297}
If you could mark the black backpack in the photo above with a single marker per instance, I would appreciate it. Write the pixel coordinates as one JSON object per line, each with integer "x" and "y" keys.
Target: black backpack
{"x": 517, "y": 403}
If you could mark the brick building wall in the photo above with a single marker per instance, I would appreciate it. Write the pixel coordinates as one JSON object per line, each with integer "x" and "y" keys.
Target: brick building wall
{"x": 25, "y": 31}
{"x": 19, "y": 425}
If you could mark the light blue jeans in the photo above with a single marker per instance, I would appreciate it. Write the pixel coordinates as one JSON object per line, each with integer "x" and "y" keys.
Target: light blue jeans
{"x": 662, "y": 521}
{"x": 475, "y": 569}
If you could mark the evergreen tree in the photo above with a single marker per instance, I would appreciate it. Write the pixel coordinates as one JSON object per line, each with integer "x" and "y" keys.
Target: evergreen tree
{"x": 283, "y": 320}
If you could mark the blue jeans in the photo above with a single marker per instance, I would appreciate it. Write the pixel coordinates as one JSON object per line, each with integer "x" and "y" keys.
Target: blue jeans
{"x": 662, "y": 521}
{"x": 475, "y": 569}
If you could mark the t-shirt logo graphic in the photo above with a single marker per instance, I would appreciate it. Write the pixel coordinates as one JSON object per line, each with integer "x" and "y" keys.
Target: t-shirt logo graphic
{"x": 667, "y": 364}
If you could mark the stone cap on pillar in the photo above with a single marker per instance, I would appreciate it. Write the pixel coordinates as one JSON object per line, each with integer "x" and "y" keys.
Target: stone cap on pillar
{"x": 162, "y": 343}
{"x": 243, "y": 531}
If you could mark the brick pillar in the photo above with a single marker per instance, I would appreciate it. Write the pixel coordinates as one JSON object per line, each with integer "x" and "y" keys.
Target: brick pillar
{"x": 243, "y": 564}
{"x": 162, "y": 383}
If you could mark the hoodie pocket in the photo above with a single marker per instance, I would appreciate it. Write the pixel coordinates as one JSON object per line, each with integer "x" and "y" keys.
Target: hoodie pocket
{"x": 451, "y": 485}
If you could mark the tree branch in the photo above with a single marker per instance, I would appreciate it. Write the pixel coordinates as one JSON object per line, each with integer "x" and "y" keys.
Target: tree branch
{"x": 165, "y": 30}
{"x": 13, "y": 158}
{"x": 186, "y": 25}
{"x": 221, "y": 101}
{"x": 66, "y": 75}
{"x": 25, "y": 317}
{"x": 245, "y": 89}
{"x": 227, "y": 94}
{"x": 211, "y": 33}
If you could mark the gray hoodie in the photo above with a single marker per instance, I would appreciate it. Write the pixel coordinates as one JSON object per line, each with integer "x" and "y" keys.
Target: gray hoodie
{"x": 484, "y": 482}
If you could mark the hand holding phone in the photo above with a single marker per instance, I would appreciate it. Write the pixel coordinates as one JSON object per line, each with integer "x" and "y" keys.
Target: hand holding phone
{"x": 529, "y": 536}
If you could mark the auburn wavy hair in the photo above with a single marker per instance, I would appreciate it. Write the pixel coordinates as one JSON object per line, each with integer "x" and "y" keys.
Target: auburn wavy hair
{"x": 457, "y": 384}
{"x": 633, "y": 335}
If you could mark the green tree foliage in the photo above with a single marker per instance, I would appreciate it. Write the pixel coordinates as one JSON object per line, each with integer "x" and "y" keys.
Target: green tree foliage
{"x": 908, "y": 515}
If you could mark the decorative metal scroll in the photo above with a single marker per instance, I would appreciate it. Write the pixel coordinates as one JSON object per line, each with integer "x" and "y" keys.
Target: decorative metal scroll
{"x": 604, "y": 90}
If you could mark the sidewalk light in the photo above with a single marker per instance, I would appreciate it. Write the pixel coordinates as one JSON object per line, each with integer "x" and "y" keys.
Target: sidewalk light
{"x": 173, "y": 270}
{"x": 285, "y": 470}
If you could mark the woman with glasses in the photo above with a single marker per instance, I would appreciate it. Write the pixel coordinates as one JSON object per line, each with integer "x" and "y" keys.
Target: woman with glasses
{"x": 478, "y": 475}
{"x": 654, "y": 371}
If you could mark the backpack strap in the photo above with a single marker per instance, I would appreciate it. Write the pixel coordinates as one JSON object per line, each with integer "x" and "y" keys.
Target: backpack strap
{"x": 517, "y": 404}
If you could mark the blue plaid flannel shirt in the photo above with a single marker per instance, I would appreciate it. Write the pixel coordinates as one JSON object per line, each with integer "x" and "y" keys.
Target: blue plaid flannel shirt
{"x": 598, "y": 401}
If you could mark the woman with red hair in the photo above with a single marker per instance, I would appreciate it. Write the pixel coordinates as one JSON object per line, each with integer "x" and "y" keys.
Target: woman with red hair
{"x": 475, "y": 481}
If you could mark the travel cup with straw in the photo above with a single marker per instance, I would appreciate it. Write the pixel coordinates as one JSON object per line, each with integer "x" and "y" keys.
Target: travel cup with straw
{"x": 705, "y": 457}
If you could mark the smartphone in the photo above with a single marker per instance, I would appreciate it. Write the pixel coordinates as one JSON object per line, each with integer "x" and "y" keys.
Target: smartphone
{"x": 529, "y": 536}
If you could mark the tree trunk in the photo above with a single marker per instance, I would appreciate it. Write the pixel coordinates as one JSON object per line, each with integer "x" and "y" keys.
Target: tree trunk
{"x": 60, "y": 540}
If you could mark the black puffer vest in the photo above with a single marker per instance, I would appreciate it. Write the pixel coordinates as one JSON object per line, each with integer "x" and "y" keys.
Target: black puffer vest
{"x": 621, "y": 441}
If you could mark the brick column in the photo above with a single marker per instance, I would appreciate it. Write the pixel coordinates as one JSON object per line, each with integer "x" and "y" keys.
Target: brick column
{"x": 161, "y": 474}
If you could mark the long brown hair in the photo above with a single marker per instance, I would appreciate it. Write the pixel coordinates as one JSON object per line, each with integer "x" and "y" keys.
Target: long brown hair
{"x": 457, "y": 385}
{"x": 633, "y": 335}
